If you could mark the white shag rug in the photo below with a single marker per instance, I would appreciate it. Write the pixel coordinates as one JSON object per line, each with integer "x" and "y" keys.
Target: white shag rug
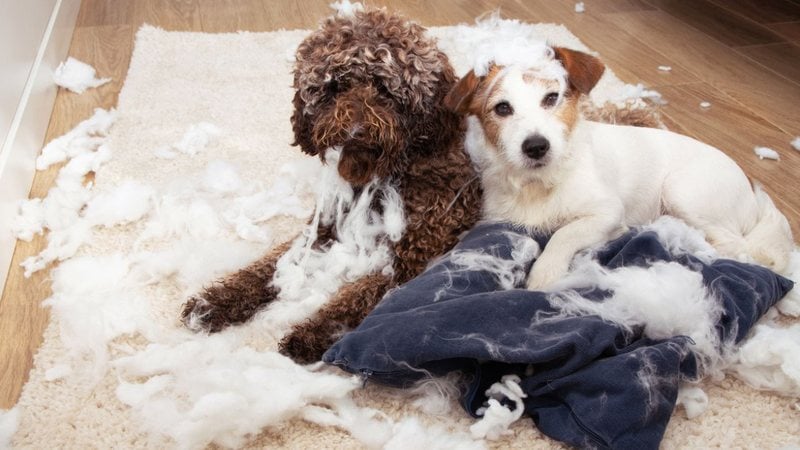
{"x": 199, "y": 155}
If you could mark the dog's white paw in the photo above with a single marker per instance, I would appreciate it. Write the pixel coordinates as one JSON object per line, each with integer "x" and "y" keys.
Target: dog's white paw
{"x": 544, "y": 275}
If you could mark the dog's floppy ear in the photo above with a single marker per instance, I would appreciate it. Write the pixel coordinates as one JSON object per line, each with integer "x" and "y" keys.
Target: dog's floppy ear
{"x": 302, "y": 127}
{"x": 460, "y": 96}
{"x": 584, "y": 70}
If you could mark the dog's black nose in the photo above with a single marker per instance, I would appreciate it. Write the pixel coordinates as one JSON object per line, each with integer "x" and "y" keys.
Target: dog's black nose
{"x": 535, "y": 147}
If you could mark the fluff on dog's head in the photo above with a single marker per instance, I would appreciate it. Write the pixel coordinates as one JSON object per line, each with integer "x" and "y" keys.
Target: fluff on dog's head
{"x": 527, "y": 105}
{"x": 371, "y": 84}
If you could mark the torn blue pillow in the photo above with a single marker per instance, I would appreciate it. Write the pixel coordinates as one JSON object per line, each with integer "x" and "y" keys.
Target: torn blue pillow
{"x": 590, "y": 382}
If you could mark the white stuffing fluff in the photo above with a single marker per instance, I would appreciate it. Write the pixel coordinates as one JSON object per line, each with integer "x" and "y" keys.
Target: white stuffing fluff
{"x": 770, "y": 359}
{"x": 796, "y": 143}
{"x": 436, "y": 396}
{"x": 218, "y": 391}
{"x": 197, "y": 137}
{"x": 580, "y": 7}
{"x": 679, "y": 238}
{"x": 60, "y": 212}
{"x": 96, "y": 309}
{"x": 523, "y": 54}
{"x": 9, "y": 421}
{"x": 665, "y": 68}
{"x": 77, "y": 76}
{"x": 344, "y": 8}
{"x": 639, "y": 91}
{"x": 508, "y": 273}
{"x": 128, "y": 203}
{"x": 226, "y": 201}
{"x": 410, "y": 433}
{"x": 666, "y": 299}
{"x": 496, "y": 417}
{"x": 85, "y": 137}
{"x": 506, "y": 43}
{"x": 69, "y": 216}
{"x": 705, "y": 105}
{"x": 306, "y": 276}
{"x": 693, "y": 399}
{"x": 766, "y": 153}
{"x": 29, "y": 220}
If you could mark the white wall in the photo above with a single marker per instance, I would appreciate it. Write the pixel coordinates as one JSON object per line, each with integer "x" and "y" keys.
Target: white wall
{"x": 34, "y": 37}
{"x": 22, "y": 26}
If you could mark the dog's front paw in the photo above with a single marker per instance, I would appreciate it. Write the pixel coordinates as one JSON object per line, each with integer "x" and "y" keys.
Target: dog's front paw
{"x": 307, "y": 342}
{"x": 198, "y": 314}
{"x": 545, "y": 275}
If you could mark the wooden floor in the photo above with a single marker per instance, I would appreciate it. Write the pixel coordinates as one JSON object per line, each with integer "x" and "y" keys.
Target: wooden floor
{"x": 743, "y": 56}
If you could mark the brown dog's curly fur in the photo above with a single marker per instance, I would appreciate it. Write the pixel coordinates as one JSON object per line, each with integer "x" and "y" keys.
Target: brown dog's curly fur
{"x": 374, "y": 85}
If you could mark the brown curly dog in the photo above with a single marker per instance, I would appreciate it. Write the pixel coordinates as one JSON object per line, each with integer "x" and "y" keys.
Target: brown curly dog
{"x": 369, "y": 100}
{"x": 372, "y": 87}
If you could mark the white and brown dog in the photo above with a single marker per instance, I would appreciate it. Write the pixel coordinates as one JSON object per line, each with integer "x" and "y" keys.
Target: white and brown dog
{"x": 547, "y": 168}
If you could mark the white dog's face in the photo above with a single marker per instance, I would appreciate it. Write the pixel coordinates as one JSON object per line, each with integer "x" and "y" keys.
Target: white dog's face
{"x": 526, "y": 115}
{"x": 526, "y": 119}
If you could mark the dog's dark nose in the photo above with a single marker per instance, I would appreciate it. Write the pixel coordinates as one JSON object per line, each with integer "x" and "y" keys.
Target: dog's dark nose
{"x": 535, "y": 147}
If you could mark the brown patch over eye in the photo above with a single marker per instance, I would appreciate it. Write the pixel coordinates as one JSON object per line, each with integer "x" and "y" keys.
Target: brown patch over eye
{"x": 503, "y": 109}
{"x": 568, "y": 111}
{"x": 550, "y": 100}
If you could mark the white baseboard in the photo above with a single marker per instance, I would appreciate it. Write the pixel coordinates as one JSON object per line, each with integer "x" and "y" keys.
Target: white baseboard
{"x": 27, "y": 132}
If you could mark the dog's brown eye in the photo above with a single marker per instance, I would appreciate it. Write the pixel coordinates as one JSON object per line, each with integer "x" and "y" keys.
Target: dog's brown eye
{"x": 503, "y": 109}
{"x": 332, "y": 87}
{"x": 550, "y": 100}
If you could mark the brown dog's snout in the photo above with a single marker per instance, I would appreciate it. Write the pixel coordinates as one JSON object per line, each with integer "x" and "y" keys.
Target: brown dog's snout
{"x": 535, "y": 146}
{"x": 358, "y": 115}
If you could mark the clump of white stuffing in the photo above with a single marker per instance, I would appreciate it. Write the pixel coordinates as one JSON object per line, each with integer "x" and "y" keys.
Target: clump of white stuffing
{"x": 197, "y": 137}
{"x": 796, "y": 143}
{"x": 496, "y": 417}
{"x": 520, "y": 53}
{"x": 693, "y": 399}
{"x": 84, "y": 138}
{"x": 61, "y": 212}
{"x": 705, "y": 105}
{"x": 639, "y": 91}
{"x": 580, "y": 7}
{"x": 665, "y": 68}
{"x": 344, "y": 8}
{"x": 435, "y": 396}
{"x": 307, "y": 276}
{"x": 77, "y": 76}
{"x": 770, "y": 359}
{"x": 216, "y": 390}
{"x": 78, "y": 212}
{"x": 127, "y": 203}
{"x": 502, "y": 42}
{"x": 667, "y": 299}
{"x": 766, "y": 153}
{"x": 508, "y": 273}
{"x": 411, "y": 433}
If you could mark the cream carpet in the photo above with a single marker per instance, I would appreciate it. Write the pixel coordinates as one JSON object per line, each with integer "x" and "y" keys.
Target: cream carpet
{"x": 116, "y": 369}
